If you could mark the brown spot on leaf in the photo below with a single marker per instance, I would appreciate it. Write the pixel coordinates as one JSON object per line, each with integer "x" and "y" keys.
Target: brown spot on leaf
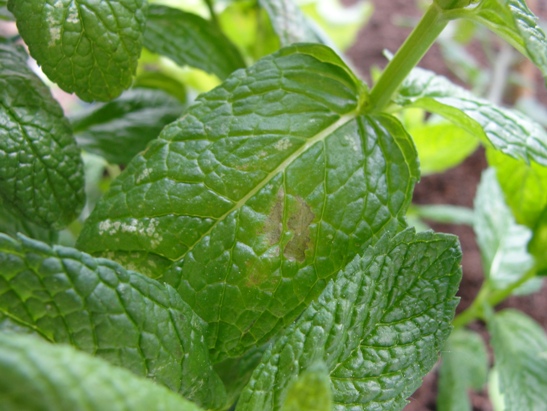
{"x": 300, "y": 218}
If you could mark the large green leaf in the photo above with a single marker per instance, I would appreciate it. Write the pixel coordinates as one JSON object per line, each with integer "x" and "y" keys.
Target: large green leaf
{"x": 519, "y": 350}
{"x": 118, "y": 130}
{"x": 289, "y": 23}
{"x": 260, "y": 193}
{"x": 524, "y": 186}
{"x": 464, "y": 365}
{"x": 87, "y": 47}
{"x": 513, "y": 20}
{"x": 41, "y": 172}
{"x": 190, "y": 40}
{"x": 378, "y": 327}
{"x": 38, "y": 376}
{"x": 99, "y": 307}
{"x": 505, "y": 130}
{"x": 501, "y": 240}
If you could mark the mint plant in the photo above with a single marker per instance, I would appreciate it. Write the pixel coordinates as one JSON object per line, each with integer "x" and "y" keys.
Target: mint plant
{"x": 254, "y": 254}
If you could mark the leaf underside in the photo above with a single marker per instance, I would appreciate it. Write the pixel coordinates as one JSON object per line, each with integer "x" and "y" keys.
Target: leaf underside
{"x": 190, "y": 40}
{"x": 259, "y": 193}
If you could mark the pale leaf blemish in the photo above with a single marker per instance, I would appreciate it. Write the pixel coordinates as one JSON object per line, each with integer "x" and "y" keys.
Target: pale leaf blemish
{"x": 54, "y": 36}
{"x": 300, "y": 218}
{"x": 145, "y": 173}
{"x": 135, "y": 227}
{"x": 352, "y": 143}
{"x": 73, "y": 17}
{"x": 283, "y": 144}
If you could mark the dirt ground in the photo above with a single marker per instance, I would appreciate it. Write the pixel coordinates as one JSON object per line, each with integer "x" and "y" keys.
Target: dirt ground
{"x": 387, "y": 30}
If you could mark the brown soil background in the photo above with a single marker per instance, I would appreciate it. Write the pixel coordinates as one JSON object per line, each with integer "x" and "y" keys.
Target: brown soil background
{"x": 456, "y": 186}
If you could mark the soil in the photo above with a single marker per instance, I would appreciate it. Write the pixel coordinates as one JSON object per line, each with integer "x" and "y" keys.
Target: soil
{"x": 387, "y": 29}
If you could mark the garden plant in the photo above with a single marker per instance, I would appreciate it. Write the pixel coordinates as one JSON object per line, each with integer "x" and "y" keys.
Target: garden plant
{"x": 252, "y": 248}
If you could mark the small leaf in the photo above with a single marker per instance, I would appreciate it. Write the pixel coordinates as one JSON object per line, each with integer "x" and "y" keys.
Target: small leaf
{"x": 87, "y": 47}
{"x": 464, "y": 365}
{"x": 188, "y": 39}
{"x": 520, "y": 352}
{"x": 442, "y": 146}
{"x": 524, "y": 186}
{"x": 289, "y": 23}
{"x": 538, "y": 245}
{"x": 98, "y": 307}
{"x": 378, "y": 327}
{"x": 120, "y": 129}
{"x": 513, "y": 21}
{"x": 260, "y": 193}
{"x": 38, "y": 376}
{"x": 501, "y": 240}
{"x": 505, "y": 130}
{"x": 41, "y": 172}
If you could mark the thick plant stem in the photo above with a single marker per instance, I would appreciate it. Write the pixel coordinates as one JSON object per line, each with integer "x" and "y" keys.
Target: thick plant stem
{"x": 409, "y": 55}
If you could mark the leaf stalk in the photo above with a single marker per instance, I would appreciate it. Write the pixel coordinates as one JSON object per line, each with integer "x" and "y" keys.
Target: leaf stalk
{"x": 407, "y": 57}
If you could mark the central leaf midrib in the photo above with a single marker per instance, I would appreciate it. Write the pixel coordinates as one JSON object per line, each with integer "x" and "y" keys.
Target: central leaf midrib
{"x": 322, "y": 135}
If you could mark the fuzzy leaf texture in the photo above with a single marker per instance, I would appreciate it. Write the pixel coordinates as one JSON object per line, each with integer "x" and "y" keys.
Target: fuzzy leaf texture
{"x": 464, "y": 365}
{"x": 378, "y": 327}
{"x": 99, "y": 307}
{"x": 260, "y": 193}
{"x": 513, "y": 21}
{"x": 87, "y": 47}
{"x": 120, "y": 129}
{"x": 503, "y": 129}
{"x": 519, "y": 346}
{"x": 38, "y": 376}
{"x": 41, "y": 172}
{"x": 188, "y": 39}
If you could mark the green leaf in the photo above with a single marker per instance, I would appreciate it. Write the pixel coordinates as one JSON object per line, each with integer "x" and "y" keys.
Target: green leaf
{"x": 505, "y": 130}
{"x": 41, "y": 172}
{"x": 289, "y": 23}
{"x": 464, "y": 365}
{"x": 378, "y": 327}
{"x": 311, "y": 391}
{"x": 260, "y": 193}
{"x": 188, "y": 39}
{"x": 442, "y": 146}
{"x": 524, "y": 186}
{"x": 98, "y": 307}
{"x": 4, "y": 12}
{"x": 501, "y": 240}
{"x": 444, "y": 213}
{"x": 11, "y": 224}
{"x": 520, "y": 347}
{"x": 38, "y": 376}
{"x": 87, "y": 47}
{"x": 513, "y": 21}
{"x": 538, "y": 245}
{"x": 120, "y": 129}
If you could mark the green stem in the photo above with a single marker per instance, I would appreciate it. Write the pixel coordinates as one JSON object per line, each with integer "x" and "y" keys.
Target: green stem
{"x": 409, "y": 55}
{"x": 211, "y": 8}
{"x": 490, "y": 298}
